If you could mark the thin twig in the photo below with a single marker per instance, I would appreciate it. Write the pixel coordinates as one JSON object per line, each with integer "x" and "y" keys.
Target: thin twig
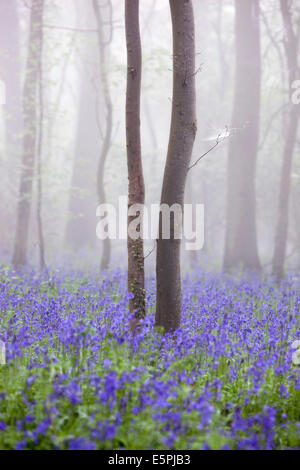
{"x": 218, "y": 140}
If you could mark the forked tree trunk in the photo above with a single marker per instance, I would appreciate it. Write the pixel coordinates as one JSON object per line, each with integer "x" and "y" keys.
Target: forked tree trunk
{"x": 241, "y": 238}
{"x": 136, "y": 190}
{"x": 291, "y": 50}
{"x": 181, "y": 141}
{"x": 30, "y": 133}
{"x": 103, "y": 48}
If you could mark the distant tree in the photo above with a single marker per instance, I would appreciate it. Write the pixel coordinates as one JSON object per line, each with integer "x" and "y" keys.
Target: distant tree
{"x": 29, "y": 134}
{"x": 80, "y": 227}
{"x": 291, "y": 46}
{"x": 182, "y": 135}
{"x": 136, "y": 190}
{"x": 104, "y": 40}
{"x": 241, "y": 238}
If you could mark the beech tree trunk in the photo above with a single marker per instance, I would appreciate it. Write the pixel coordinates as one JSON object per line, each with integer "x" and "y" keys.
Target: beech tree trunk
{"x": 241, "y": 238}
{"x": 136, "y": 190}
{"x": 30, "y": 133}
{"x": 103, "y": 48}
{"x": 292, "y": 50}
{"x": 182, "y": 135}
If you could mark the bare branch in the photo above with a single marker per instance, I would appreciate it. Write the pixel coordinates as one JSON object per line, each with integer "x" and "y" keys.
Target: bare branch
{"x": 219, "y": 139}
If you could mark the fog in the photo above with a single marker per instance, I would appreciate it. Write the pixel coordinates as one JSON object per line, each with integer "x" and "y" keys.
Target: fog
{"x": 72, "y": 120}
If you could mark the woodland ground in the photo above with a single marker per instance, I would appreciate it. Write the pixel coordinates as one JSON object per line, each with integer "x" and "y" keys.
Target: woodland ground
{"x": 75, "y": 379}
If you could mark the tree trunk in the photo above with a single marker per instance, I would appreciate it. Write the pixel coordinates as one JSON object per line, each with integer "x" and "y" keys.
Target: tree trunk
{"x": 291, "y": 50}
{"x": 80, "y": 228}
{"x": 30, "y": 133}
{"x": 182, "y": 136}
{"x": 136, "y": 190}
{"x": 103, "y": 48}
{"x": 241, "y": 238}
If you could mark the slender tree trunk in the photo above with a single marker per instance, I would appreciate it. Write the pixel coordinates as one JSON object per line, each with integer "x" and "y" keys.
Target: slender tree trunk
{"x": 241, "y": 238}
{"x": 136, "y": 190}
{"x": 292, "y": 50}
{"x": 30, "y": 133}
{"x": 103, "y": 49}
{"x": 182, "y": 136}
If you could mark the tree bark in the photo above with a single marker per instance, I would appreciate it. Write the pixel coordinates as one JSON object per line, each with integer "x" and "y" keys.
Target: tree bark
{"x": 291, "y": 49}
{"x": 182, "y": 135}
{"x": 30, "y": 133}
{"x": 241, "y": 238}
{"x": 136, "y": 190}
{"x": 103, "y": 49}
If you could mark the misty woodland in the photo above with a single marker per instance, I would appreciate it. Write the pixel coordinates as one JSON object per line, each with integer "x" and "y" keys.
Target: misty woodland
{"x": 111, "y": 339}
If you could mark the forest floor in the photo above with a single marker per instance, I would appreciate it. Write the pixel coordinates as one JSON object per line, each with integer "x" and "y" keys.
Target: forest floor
{"x": 74, "y": 378}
